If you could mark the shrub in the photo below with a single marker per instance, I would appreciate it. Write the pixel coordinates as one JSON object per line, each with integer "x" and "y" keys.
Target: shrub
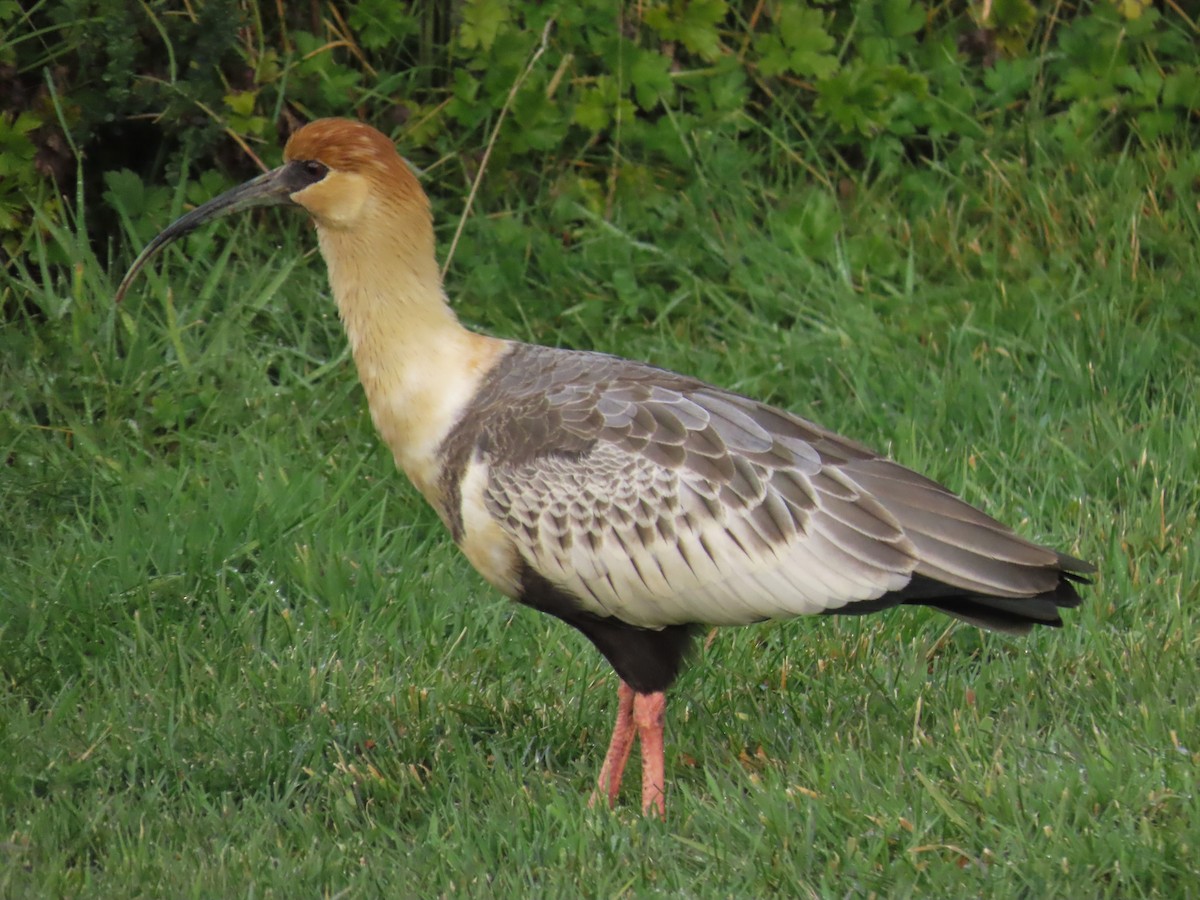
{"x": 608, "y": 114}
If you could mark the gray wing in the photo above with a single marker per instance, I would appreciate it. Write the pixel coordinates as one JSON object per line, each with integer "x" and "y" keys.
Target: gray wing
{"x": 661, "y": 500}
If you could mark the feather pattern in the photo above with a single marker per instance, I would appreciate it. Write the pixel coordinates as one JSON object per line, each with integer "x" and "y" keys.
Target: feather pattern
{"x": 659, "y": 500}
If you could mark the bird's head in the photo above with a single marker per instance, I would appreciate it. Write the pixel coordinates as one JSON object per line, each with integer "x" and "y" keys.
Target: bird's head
{"x": 340, "y": 171}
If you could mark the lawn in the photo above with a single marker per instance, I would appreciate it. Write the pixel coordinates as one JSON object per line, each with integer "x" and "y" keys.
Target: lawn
{"x": 241, "y": 658}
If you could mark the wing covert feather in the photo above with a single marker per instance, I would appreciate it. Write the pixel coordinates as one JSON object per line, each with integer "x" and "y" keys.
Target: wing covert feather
{"x": 661, "y": 500}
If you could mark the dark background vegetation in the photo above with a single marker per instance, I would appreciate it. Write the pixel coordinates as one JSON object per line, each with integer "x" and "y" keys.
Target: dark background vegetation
{"x": 139, "y": 95}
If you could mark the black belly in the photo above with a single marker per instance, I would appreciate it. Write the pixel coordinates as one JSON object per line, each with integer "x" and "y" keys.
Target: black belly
{"x": 646, "y": 659}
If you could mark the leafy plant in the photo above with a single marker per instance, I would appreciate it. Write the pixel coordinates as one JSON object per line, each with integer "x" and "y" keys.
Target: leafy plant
{"x": 611, "y": 108}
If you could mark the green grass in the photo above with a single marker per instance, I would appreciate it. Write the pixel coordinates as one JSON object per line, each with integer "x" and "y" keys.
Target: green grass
{"x": 241, "y": 658}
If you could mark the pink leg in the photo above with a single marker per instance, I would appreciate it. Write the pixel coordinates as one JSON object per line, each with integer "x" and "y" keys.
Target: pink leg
{"x": 648, "y": 713}
{"x": 609, "y": 782}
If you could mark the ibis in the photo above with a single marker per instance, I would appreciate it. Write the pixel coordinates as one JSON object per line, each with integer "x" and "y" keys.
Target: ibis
{"x": 633, "y": 503}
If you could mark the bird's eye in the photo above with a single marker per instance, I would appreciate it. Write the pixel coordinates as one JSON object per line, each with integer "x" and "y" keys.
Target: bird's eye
{"x": 315, "y": 169}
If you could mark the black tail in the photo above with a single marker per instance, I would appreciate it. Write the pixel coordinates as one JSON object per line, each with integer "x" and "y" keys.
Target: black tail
{"x": 1012, "y": 615}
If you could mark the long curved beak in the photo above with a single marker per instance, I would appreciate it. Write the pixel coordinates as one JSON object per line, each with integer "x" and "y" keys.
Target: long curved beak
{"x": 273, "y": 188}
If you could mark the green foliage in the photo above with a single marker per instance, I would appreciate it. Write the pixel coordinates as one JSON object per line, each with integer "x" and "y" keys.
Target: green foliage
{"x": 482, "y": 20}
{"x": 1140, "y": 75}
{"x": 863, "y": 86}
{"x": 799, "y": 43}
{"x": 21, "y": 187}
{"x": 694, "y": 23}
